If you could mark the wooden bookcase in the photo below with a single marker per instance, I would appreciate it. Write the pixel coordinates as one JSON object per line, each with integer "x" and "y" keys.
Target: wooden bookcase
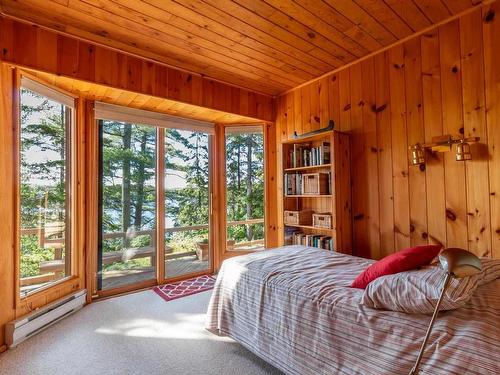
{"x": 338, "y": 200}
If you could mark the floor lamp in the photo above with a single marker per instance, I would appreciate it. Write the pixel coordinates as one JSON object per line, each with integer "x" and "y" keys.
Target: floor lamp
{"x": 457, "y": 263}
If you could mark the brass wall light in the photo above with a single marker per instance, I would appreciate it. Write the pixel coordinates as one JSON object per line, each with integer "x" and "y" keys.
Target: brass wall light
{"x": 442, "y": 144}
{"x": 463, "y": 151}
{"x": 416, "y": 154}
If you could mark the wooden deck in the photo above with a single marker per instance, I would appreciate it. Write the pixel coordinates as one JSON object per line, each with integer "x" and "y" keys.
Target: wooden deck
{"x": 173, "y": 268}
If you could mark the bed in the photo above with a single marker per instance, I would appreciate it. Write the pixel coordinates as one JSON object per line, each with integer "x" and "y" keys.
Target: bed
{"x": 292, "y": 307}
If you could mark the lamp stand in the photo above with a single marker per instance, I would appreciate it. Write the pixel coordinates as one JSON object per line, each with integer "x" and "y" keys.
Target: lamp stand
{"x": 415, "y": 370}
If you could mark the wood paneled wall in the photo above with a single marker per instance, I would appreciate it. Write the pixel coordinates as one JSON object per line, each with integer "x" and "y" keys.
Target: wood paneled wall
{"x": 446, "y": 81}
{"x": 34, "y": 47}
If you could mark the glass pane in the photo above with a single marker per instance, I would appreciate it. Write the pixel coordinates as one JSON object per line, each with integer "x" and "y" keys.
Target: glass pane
{"x": 187, "y": 202}
{"x": 44, "y": 204}
{"x": 245, "y": 189}
{"x": 127, "y": 248}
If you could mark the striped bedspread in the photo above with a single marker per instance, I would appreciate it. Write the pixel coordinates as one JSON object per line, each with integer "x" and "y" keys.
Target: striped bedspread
{"x": 292, "y": 307}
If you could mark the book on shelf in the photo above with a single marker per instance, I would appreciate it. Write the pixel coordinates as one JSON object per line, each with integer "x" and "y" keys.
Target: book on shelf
{"x": 289, "y": 232}
{"x": 329, "y": 182}
{"x": 293, "y": 183}
{"x": 303, "y": 155}
{"x": 312, "y": 240}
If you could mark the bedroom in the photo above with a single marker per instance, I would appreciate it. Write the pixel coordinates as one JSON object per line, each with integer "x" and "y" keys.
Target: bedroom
{"x": 127, "y": 124}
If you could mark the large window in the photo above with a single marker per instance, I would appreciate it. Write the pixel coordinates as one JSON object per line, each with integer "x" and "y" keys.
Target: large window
{"x": 245, "y": 188}
{"x": 45, "y": 185}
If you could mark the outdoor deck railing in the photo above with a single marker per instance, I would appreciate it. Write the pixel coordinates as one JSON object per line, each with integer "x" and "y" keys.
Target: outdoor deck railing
{"x": 58, "y": 243}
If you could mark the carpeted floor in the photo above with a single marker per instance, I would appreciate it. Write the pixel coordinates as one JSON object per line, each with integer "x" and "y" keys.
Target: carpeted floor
{"x": 134, "y": 334}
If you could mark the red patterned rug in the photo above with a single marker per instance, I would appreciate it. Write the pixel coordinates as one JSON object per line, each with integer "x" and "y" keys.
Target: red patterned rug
{"x": 185, "y": 288}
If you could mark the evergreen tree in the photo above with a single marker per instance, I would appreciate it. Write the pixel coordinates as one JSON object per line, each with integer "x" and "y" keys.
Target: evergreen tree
{"x": 42, "y": 175}
{"x": 244, "y": 162}
{"x": 129, "y": 180}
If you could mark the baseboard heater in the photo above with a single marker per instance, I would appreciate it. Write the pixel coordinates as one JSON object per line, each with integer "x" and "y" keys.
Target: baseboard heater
{"x": 21, "y": 329}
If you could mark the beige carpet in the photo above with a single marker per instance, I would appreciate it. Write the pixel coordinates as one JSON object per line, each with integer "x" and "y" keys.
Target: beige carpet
{"x": 134, "y": 334}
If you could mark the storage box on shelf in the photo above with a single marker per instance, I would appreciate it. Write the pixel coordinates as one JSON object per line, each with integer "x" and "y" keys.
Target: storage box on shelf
{"x": 303, "y": 217}
{"x": 322, "y": 221}
{"x": 317, "y": 182}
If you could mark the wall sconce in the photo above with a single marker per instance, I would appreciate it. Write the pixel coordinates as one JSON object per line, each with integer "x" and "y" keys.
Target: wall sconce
{"x": 417, "y": 154}
{"x": 442, "y": 144}
{"x": 463, "y": 151}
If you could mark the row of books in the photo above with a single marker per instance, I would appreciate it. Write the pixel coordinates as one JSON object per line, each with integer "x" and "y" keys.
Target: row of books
{"x": 294, "y": 184}
{"x": 303, "y": 155}
{"x": 313, "y": 240}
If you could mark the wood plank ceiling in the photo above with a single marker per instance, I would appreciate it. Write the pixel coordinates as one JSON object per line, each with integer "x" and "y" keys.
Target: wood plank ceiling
{"x": 268, "y": 46}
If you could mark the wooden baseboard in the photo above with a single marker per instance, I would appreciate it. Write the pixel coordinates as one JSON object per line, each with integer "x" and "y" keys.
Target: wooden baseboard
{"x": 3, "y": 348}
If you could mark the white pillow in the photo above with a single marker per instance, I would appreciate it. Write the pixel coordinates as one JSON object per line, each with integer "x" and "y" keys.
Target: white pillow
{"x": 418, "y": 291}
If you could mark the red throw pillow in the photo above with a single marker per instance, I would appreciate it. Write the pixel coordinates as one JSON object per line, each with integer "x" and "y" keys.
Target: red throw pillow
{"x": 403, "y": 260}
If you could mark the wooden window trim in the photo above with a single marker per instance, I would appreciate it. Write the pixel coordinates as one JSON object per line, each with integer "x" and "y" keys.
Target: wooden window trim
{"x": 105, "y": 111}
{"x": 74, "y": 173}
{"x": 92, "y": 212}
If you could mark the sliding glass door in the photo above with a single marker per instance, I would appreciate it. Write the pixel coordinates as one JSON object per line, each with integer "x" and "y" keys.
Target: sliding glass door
{"x": 154, "y": 199}
{"x": 187, "y": 202}
{"x": 127, "y": 204}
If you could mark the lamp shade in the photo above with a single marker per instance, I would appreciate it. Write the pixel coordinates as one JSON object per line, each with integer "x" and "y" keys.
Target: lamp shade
{"x": 459, "y": 262}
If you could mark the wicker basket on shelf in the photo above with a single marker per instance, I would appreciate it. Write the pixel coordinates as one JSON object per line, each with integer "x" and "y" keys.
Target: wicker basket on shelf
{"x": 322, "y": 221}
{"x": 303, "y": 217}
{"x": 316, "y": 183}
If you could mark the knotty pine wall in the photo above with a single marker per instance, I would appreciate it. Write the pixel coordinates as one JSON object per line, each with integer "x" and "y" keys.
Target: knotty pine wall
{"x": 31, "y": 46}
{"x": 446, "y": 81}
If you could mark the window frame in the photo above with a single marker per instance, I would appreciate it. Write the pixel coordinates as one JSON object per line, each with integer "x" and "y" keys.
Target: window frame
{"x": 160, "y": 121}
{"x": 212, "y": 222}
{"x": 27, "y": 300}
{"x": 99, "y": 290}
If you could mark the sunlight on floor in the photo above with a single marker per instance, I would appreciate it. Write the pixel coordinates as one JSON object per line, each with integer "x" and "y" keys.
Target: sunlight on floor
{"x": 138, "y": 333}
{"x": 183, "y": 326}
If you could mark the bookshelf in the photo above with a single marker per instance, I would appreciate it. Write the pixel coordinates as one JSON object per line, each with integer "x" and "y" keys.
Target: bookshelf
{"x": 325, "y": 154}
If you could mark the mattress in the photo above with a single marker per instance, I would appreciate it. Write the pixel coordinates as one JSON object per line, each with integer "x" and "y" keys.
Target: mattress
{"x": 293, "y": 307}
